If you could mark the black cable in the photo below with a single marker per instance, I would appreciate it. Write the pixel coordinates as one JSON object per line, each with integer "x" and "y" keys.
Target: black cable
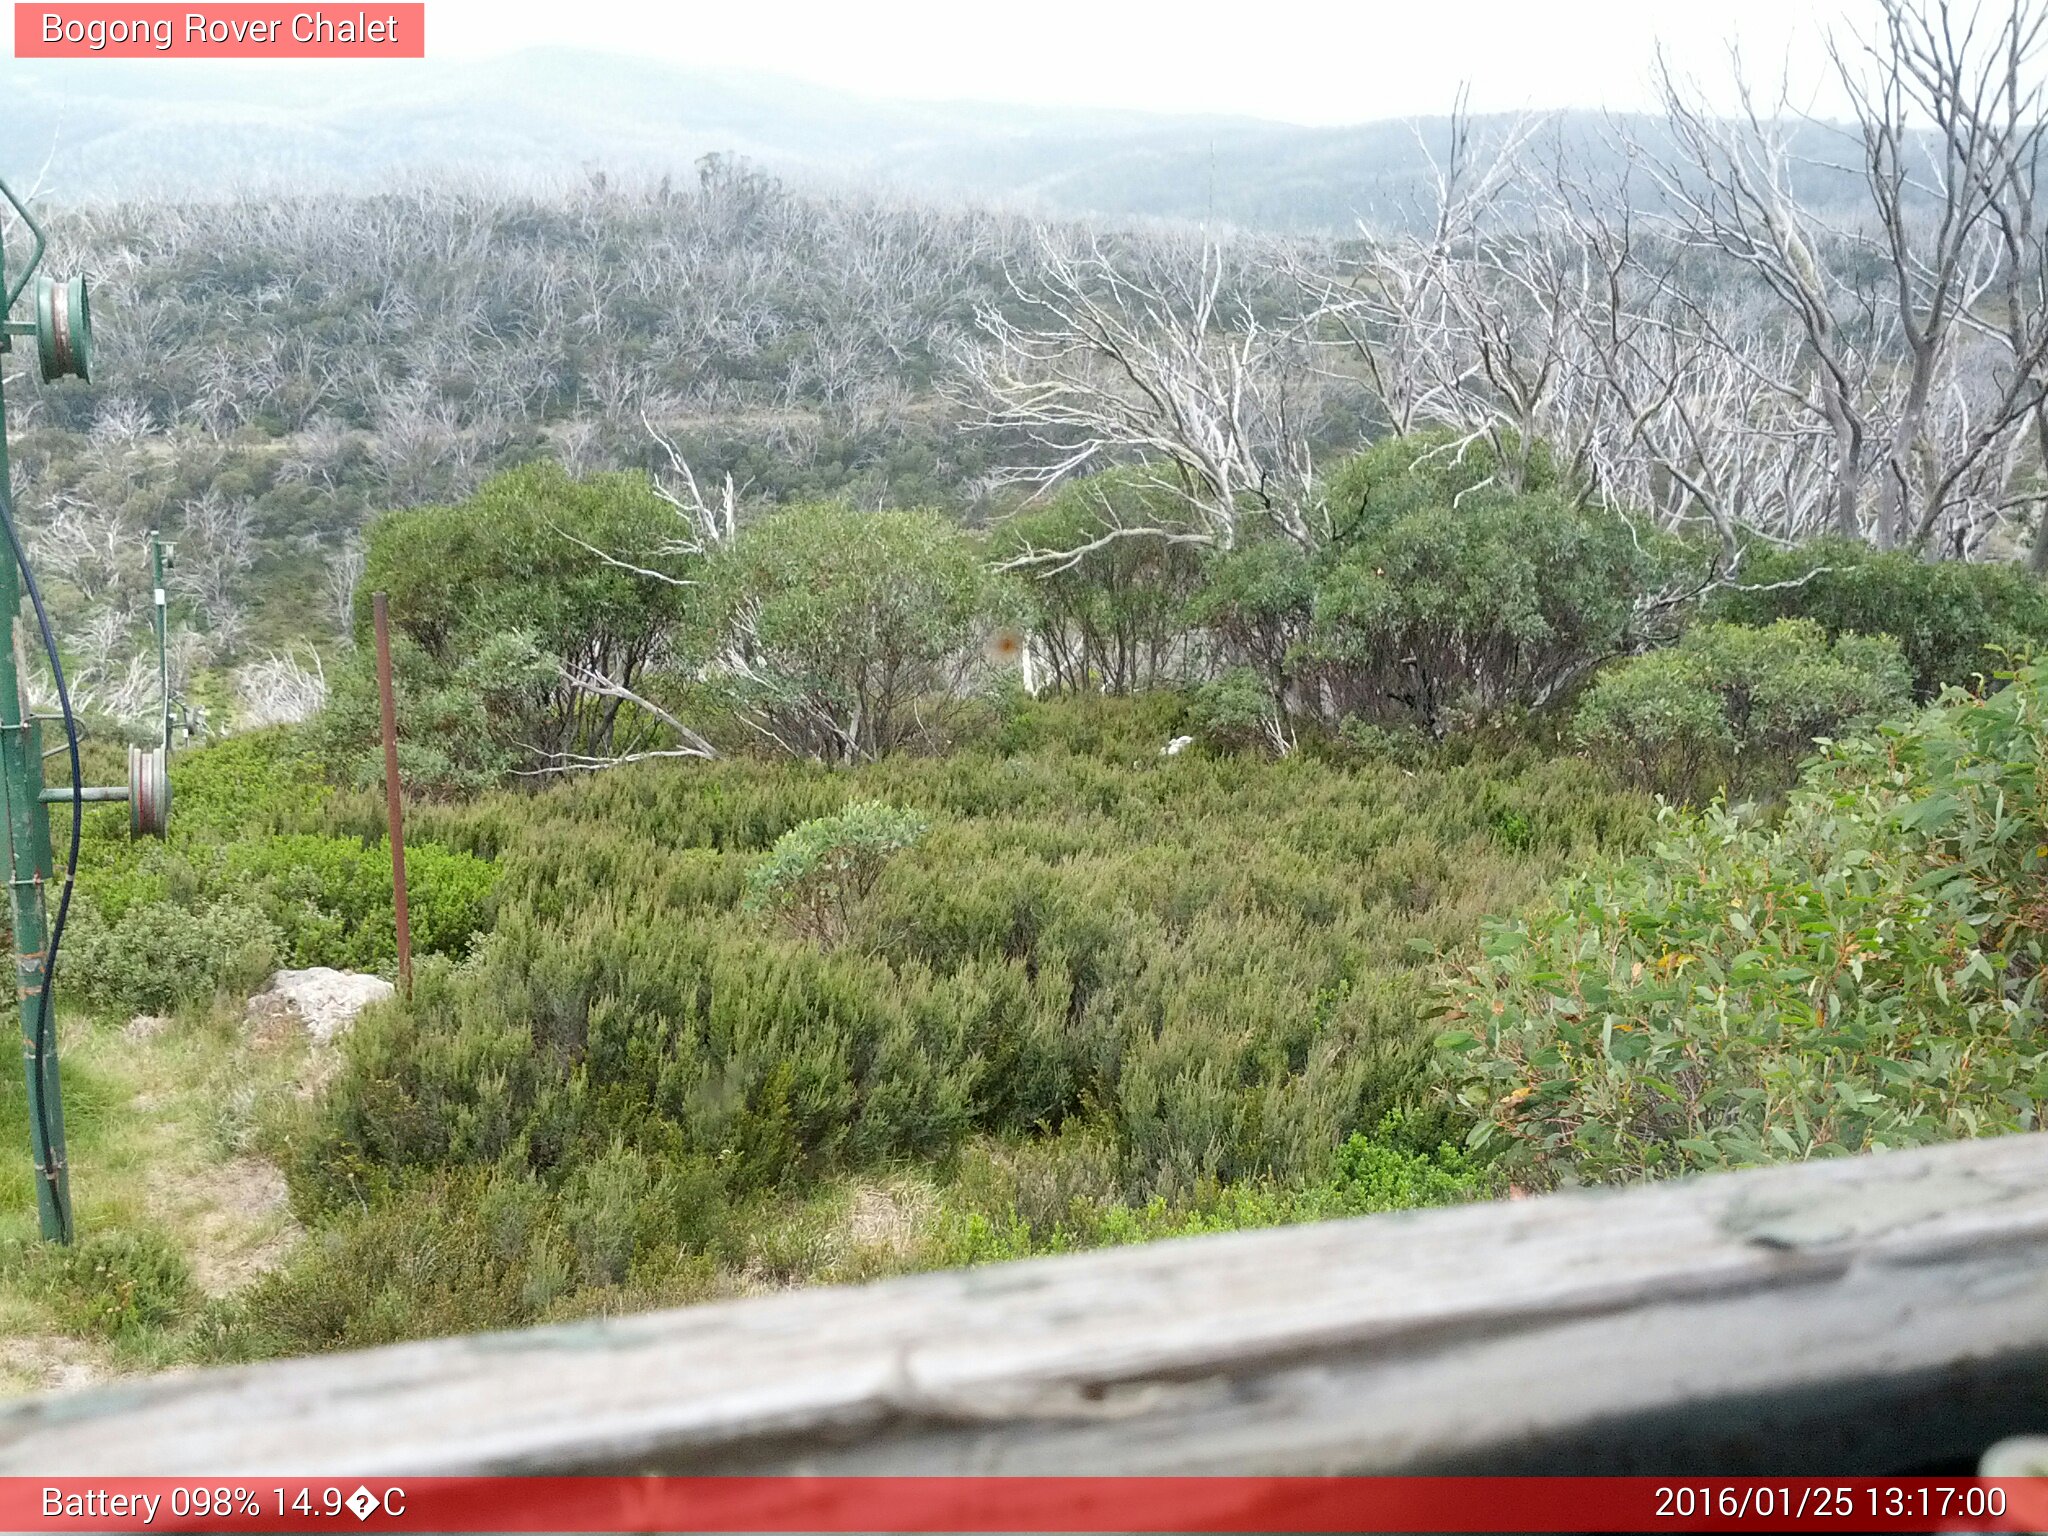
{"x": 43, "y": 1015}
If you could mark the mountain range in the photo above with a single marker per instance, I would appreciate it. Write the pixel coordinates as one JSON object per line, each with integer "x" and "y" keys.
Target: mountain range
{"x": 103, "y": 129}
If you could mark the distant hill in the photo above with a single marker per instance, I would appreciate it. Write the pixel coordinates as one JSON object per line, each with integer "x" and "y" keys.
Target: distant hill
{"x": 118, "y": 128}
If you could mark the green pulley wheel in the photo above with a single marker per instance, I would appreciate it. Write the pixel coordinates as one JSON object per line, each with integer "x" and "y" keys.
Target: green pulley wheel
{"x": 63, "y": 328}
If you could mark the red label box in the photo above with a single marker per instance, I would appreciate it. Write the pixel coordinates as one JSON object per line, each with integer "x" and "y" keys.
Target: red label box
{"x": 226, "y": 31}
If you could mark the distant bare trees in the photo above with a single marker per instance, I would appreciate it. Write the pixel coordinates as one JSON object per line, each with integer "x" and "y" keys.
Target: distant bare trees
{"x": 279, "y": 689}
{"x": 1719, "y": 352}
{"x": 1677, "y": 326}
{"x": 1180, "y": 358}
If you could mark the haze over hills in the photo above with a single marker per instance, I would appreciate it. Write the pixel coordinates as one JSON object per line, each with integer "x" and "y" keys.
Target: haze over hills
{"x": 120, "y": 128}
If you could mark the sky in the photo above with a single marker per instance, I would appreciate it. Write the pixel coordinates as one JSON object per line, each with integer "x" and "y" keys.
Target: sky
{"x": 1303, "y": 61}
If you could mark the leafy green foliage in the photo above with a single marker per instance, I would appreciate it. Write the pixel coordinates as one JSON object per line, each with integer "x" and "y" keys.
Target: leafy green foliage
{"x": 817, "y": 874}
{"x": 243, "y": 884}
{"x": 514, "y": 613}
{"x": 448, "y": 740}
{"x": 483, "y": 1247}
{"x": 1236, "y": 710}
{"x": 330, "y": 898}
{"x": 855, "y": 628}
{"x": 1448, "y": 599}
{"x": 1953, "y": 619}
{"x": 1201, "y": 976}
{"x": 1256, "y": 602}
{"x": 1056, "y": 1194}
{"x": 158, "y": 955}
{"x": 1111, "y": 617}
{"x": 1732, "y": 705}
{"x": 1863, "y": 973}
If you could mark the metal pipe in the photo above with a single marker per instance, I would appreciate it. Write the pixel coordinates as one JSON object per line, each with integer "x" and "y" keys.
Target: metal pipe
{"x": 60, "y": 794}
{"x": 21, "y": 774}
{"x": 163, "y": 630}
{"x": 389, "y": 710}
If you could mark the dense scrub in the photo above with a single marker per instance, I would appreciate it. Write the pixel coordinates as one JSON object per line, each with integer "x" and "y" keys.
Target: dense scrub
{"x": 1105, "y": 994}
{"x": 248, "y": 880}
{"x": 902, "y": 967}
{"x": 1731, "y": 707}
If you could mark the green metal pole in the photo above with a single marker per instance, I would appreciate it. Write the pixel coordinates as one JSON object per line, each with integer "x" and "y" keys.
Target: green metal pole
{"x": 27, "y": 828}
{"x": 28, "y": 845}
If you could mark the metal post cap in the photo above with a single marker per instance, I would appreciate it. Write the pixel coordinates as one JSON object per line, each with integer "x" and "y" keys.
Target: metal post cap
{"x": 149, "y": 792}
{"x": 63, "y": 328}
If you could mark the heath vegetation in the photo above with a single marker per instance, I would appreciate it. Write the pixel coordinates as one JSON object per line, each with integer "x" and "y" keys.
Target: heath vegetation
{"x": 931, "y": 737}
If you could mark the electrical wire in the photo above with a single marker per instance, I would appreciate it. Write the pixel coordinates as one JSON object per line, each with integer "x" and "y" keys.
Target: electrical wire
{"x": 43, "y": 1008}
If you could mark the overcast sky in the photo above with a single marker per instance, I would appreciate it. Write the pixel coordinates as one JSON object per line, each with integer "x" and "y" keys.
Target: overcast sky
{"x": 1306, "y": 61}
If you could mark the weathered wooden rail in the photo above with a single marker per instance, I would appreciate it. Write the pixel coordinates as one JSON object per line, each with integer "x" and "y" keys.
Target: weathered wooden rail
{"x": 1878, "y": 1314}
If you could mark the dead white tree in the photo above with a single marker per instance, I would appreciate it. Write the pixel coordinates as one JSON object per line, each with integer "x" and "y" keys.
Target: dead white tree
{"x": 216, "y": 545}
{"x": 344, "y": 572}
{"x": 1946, "y": 133}
{"x": 1162, "y": 359}
{"x": 279, "y": 689}
{"x": 1946, "y": 103}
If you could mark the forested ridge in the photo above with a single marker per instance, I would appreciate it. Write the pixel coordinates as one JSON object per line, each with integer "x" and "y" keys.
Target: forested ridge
{"x": 932, "y": 735}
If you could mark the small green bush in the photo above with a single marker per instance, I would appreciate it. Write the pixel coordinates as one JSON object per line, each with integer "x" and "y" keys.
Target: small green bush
{"x": 114, "y": 1284}
{"x": 160, "y": 955}
{"x": 1112, "y": 618}
{"x": 1732, "y": 705}
{"x": 331, "y": 897}
{"x": 817, "y": 874}
{"x": 1255, "y": 605}
{"x": 857, "y": 627}
{"x": 1059, "y": 1194}
{"x": 1236, "y": 711}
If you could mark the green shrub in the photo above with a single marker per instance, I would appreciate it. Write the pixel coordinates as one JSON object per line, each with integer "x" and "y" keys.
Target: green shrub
{"x": 460, "y": 1253}
{"x": 508, "y": 607}
{"x": 331, "y": 897}
{"x": 1953, "y": 619}
{"x": 857, "y": 628}
{"x": 1372, "y": 1175}
{"x": 1236, "y": 711}
{"x": 1223, "y": 957}
{"x": 1059, "y": 1193}
{"x": 1863, "y": 973}
{"x": 255, "y": 782}
{"x": 160, "y": 955}
{"x": 450, "y": 743}
{"x": 1734, "y": 705}
{"x": 817, "y": 874}
{"x": 1112, "y": 618}
{"x": 1404, "y": 746}
{"x": 1443, "y": 604}
{"x": 114, "y": 1284}
{"x": 1118, "y": 983}
{"x": 1255, "y": 604}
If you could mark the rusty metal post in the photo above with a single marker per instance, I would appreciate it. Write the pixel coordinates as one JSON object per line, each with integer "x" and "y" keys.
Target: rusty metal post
{"x": 389, "y": 711}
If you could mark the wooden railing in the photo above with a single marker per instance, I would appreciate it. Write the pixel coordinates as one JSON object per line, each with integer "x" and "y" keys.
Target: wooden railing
{"x": 1876, "y": 1314}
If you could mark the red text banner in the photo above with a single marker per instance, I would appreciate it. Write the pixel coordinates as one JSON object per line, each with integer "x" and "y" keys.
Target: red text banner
{"x": 1143, "y": 1504}
{"x": 224, "y": 31}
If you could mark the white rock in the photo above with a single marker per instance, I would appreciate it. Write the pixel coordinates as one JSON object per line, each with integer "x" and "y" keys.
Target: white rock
{"x": 1178, "y": 745}
{"x": 325, "y": 1001}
